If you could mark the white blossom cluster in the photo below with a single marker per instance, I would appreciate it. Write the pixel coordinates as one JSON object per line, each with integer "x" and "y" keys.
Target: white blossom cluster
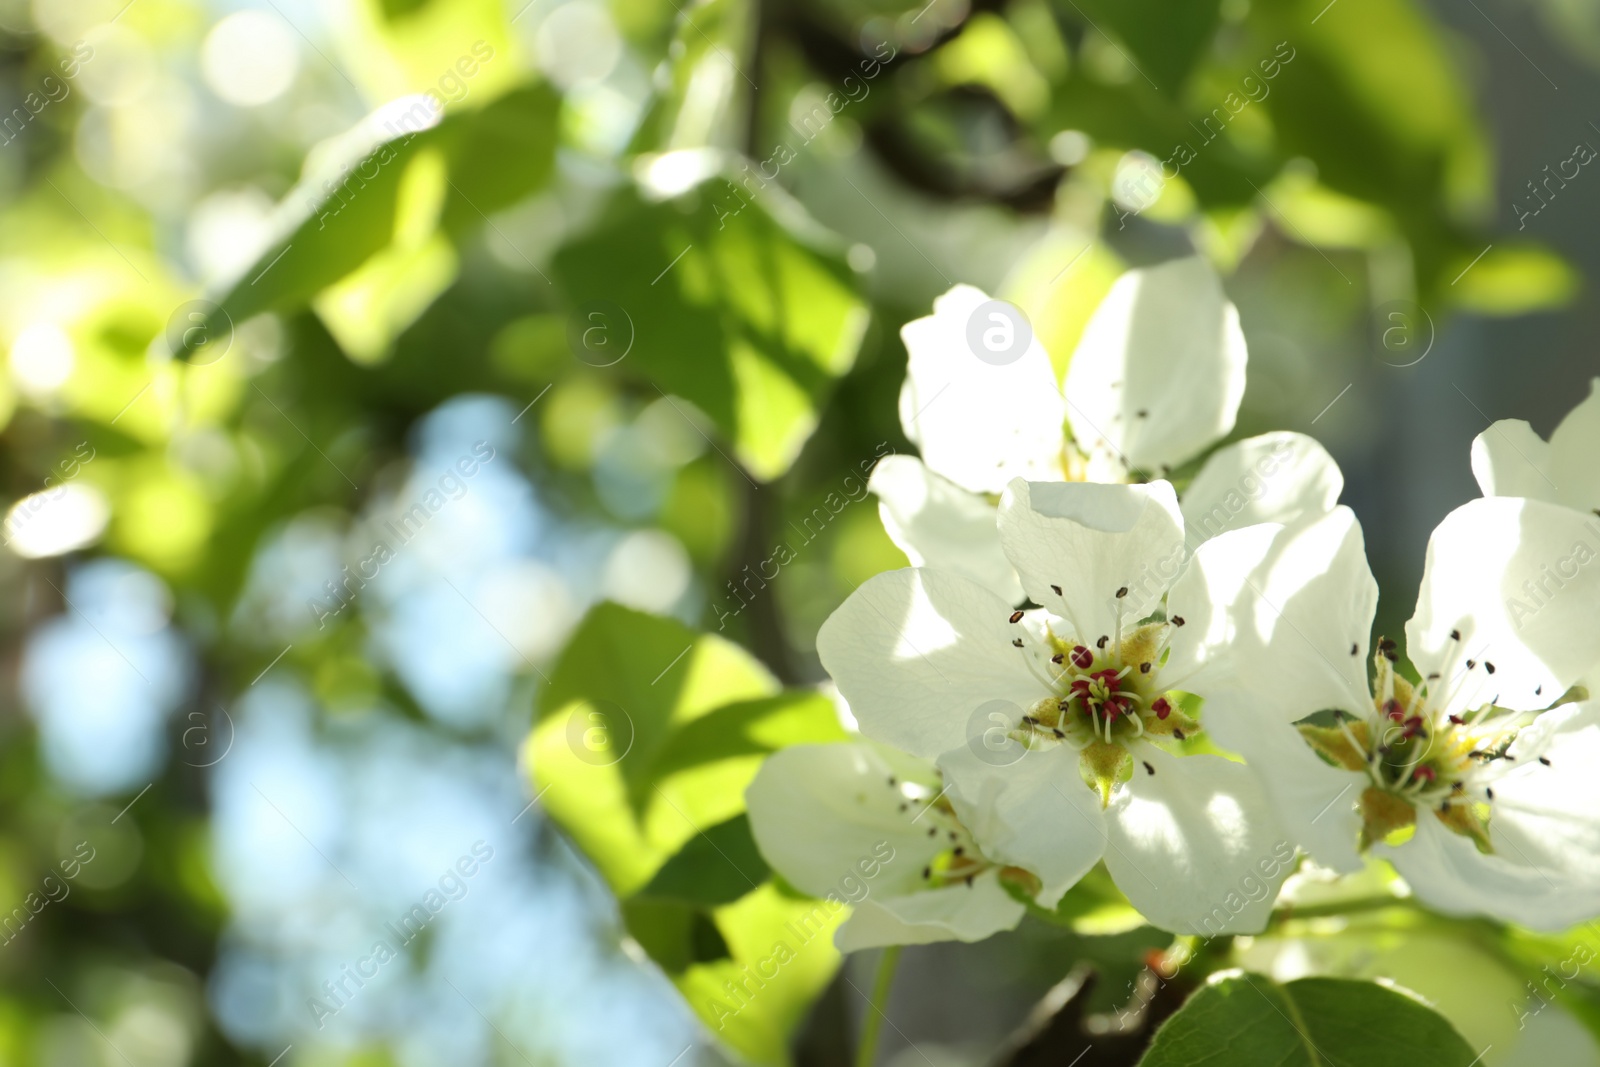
{"x": 1085, "y": 666}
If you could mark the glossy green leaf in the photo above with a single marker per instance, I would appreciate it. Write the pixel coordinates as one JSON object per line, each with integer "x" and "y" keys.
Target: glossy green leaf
{"x": 634, "y": 680}
{"x": 751, "y": 727}
{"x": 718, "y": 866}
{"x": 648, "y": 734}
{"x": 676, "y": 934}
{"x": 1244, "y": 1018}
{"x": 492, "y": 157}
{"x": 747, "y": 316}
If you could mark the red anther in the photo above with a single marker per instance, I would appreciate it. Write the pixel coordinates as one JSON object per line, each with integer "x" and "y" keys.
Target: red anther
{"x": 1413, "y": 726}
{"x": 1161, "y": 708}
{"x": 1458, "y": 720}
{"x": 1425, "y": 773}
{"x": 1108, "y": 676}
{"x": 1392, "y": 709}
{"x": 1082, "y": 658}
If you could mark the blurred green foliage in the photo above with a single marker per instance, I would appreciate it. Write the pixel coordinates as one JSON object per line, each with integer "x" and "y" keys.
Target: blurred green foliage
{"x": 895, "y": 147}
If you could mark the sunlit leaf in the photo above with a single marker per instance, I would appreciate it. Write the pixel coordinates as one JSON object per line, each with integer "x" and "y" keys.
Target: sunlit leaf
{"x": 717, "y": 867}
{"x": 724, "y": 305}
{"x": 648, "y": 734}
{"x": 491, "y": 158}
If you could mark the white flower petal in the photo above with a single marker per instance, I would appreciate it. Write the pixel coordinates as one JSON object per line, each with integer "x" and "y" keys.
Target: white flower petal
{"x": 1573, "y": 448}
{"x": 917, "y": 653}
{"x": 1190, "y": 845}
{"x": 826, "y": 818}
{"x": 1509, "y": 459}
{"x": 1210, "y": 594}
{"x": 978, "y": 424}
{"x": 1276, "y": 477}
{"x": 1448, "y": 873}
{"x": 1548, "y": 814}
{"x": 1090, "y": 541}
{"x": 1159, "y": 372}
{"x": 954, "y": 913}
{"x": 938, "y": 524}
{"x": 1544, "y": 827}
{"x": 1036, "y": 813}
{"x": 1519, "y": 581}
{"x": 1301, "y": 616}
{"x": 1314, "y": 801}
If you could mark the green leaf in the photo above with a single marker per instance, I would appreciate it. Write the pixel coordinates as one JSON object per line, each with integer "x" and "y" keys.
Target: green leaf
{"x": 1374, "y": 97}
{"x": 1166, "y": 39}
{"x": 717, "y": 867}
{"x": 753, "y": 727}
{"x": 648, "y": 734}
{"x": 710, "y": 85}
{"x": 726, "y": 306}
{"x": 491, "y": 158}
{"x": 626, "y": 683}
{"x": 1244, "y": 1018}
{"x": 675, "y": 934}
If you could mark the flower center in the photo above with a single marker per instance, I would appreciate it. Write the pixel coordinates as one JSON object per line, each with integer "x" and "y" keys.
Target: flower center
{"x": 958, "y": 859}
{"x": 1418, "y": 757}
{"x": 1102, "y": 698}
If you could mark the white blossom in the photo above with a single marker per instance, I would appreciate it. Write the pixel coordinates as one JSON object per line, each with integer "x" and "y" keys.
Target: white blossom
{"x": 860, "y": 824}
{"x": 1156, "y": 379}
{"x": 1076, "y": 732}
{"x": 1478, "y": 781}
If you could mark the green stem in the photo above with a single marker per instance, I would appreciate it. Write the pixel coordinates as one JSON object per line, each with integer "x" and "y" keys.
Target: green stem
{"x": 867, "y": 1050}
{"x": 1341, "y": 907}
